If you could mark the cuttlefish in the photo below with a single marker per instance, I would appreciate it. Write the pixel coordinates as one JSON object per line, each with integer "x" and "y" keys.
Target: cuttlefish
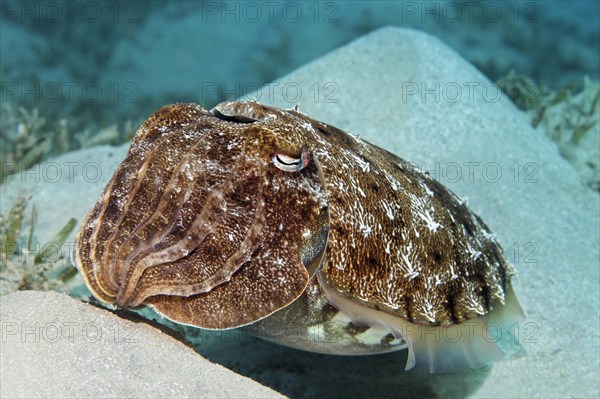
{"x": 308, "y": 236}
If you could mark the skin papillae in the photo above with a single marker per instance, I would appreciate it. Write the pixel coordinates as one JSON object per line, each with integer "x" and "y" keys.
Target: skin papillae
{"x": 219, "y": 219}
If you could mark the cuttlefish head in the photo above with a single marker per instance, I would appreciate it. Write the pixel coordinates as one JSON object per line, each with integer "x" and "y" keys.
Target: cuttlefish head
{"x": 215, "y": 219}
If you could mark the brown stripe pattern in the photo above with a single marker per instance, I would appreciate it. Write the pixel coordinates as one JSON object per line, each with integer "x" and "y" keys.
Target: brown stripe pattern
{"x": 198, "y": 223}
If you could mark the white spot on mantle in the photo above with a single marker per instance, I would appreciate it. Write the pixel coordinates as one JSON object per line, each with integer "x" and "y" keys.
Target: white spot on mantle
{"x": 388, "y": 209}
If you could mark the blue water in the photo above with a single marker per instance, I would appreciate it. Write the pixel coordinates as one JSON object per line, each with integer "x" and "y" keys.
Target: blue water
{"x": 103, "y": 62}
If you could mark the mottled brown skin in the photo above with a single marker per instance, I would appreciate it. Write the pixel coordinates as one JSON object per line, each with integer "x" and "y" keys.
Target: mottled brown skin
{"x": 197, "y": 207}
{"x": 200, "y": 223}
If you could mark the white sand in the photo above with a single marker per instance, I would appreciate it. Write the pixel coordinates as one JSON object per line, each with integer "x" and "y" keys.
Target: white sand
{"x": 54, "y": 346}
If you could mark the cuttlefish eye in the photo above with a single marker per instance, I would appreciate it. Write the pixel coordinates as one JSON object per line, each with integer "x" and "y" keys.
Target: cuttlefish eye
{"x": 289, "y": 163}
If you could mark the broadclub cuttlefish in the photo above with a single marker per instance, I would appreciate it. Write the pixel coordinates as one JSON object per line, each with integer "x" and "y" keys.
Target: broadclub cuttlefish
{"x": 253, "y": 216}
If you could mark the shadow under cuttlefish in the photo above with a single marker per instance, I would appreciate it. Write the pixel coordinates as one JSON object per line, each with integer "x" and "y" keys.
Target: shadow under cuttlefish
{"x": 301, "y": 374}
